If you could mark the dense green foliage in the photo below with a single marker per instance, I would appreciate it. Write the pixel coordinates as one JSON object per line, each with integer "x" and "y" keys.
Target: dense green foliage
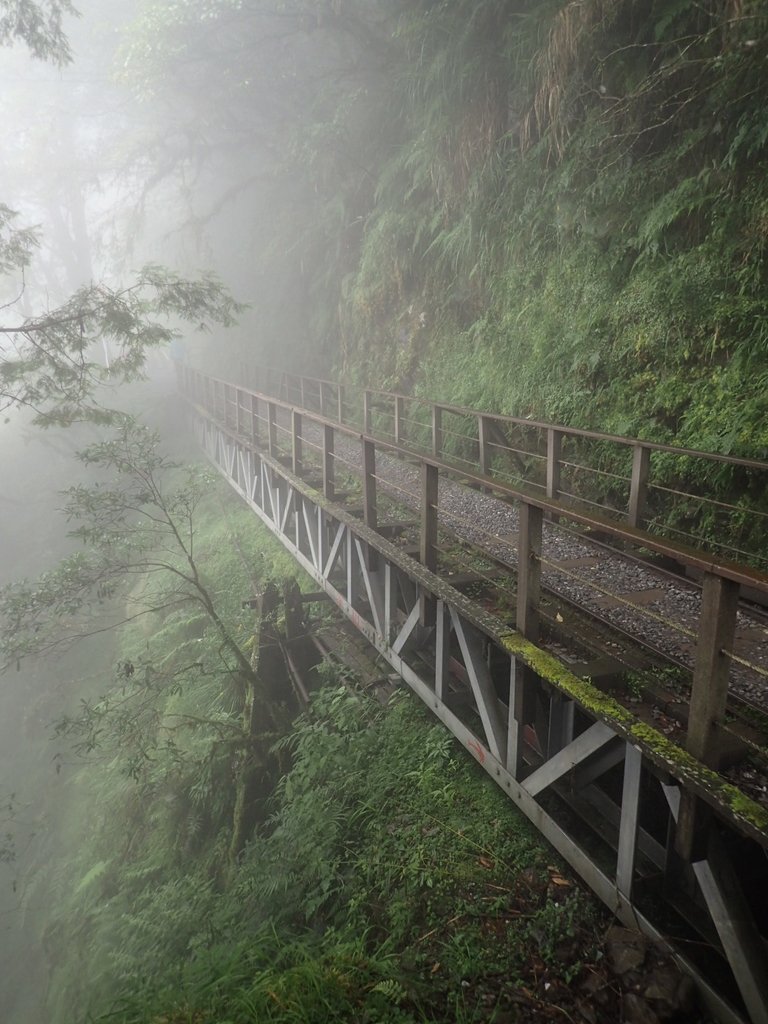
{"x": 386, "y": 879}
{"x": 554, "y": 209}
{"x": 390, "y": 883}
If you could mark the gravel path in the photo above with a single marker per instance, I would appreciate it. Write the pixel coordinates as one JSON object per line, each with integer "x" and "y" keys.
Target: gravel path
{"x": 602, "y": 582}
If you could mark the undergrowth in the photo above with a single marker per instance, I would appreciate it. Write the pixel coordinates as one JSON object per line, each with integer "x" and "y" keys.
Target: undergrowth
{"x": 392, "y": 882}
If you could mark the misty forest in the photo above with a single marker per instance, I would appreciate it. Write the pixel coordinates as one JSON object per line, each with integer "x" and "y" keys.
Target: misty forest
{"x": 552, "y": 209}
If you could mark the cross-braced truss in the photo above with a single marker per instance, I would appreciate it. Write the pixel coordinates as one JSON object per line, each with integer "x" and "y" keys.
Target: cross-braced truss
{"x": 605, "y": 799}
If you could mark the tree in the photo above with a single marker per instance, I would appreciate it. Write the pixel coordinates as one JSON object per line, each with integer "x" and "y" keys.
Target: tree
{"x": 139, "y": 559}
{"x": 50, "y": 362}
{"x": 38, "y": 25}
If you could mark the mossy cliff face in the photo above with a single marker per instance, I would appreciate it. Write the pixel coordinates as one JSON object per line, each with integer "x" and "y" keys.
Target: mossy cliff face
{"x": 573, "y": 223}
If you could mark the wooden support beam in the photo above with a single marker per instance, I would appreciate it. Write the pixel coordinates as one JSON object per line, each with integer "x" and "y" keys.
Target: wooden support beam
{"x": 296, "y": 442}
{"x": 428, "y": 533}
{"x": 585, "y": 744}
{"x": 369, "y": 484}
{"x": 429, "y": 504}
{"x": 340, "y": 402}
{"x": 517, "y": 718}
{"x": 255, "y": 424}
{"x": 367, "y": 411}
{"x": 484, "y": 442}
{"x": 630, "y": 811}
{"x": 437, "y": 431}
{"x": 554, "y": 452}
{"x": 329, "y": 462}
{"x": 399, "y": 419}
{"x": 442, "y": 649}
{"x": 638, "y": 487}
{"x": 529, "y": 571}
{"x": 735, "y": 923}
{"x": 272, "y": 429}
{"x": 709, "y": 692}
{"x": 483, "y": 690}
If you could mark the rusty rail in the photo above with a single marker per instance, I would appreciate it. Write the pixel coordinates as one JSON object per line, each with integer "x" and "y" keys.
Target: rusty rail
{"x": 635, "y": 480}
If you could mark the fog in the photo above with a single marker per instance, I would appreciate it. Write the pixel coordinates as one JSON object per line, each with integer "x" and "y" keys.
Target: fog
{"x": 113, "y": 170}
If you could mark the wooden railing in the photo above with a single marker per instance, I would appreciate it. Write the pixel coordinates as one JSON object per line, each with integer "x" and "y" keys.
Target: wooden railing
{"x": 664, "y": 488}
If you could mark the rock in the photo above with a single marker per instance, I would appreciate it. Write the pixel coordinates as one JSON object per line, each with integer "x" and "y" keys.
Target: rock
{"x": 626, "y": 949}
{"x": 638, "y": 1011}
{"x": 663, "y": 984}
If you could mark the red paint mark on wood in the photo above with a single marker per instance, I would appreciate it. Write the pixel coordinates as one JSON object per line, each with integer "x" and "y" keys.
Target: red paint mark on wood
{"x": 477, "y": 750}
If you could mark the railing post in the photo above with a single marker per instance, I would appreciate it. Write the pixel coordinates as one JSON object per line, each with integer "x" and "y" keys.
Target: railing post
{"x": 302, "y": 392}
{"x": 399, "y": 424}
{"x": 529, "y": 570}
{"x": 238, "y": 399}
{"x": 366, "y": 411}
{"x": 296, "y": 447}
{"x": 484, "y": 444}
{"x": 437, "y": 431}
{"x": 340, "y": 402}
{"x": 554, "y": 450}
{"x": 272, "y": 429}
{"x": 709, "y": 694}
{"x": 522, "y": 694}
{"x": 322, "y": 398}
{"x": 638, "y": 487}
{"x": 428, "y": 534}
{"x": 255, "y": 425}
{"x": 370, "y": 517}
{"x": 328, "y": 462}
{"x": 369, "y": 484}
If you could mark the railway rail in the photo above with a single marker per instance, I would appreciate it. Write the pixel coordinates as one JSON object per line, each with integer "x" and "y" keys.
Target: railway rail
{"x": 526, "y": 677}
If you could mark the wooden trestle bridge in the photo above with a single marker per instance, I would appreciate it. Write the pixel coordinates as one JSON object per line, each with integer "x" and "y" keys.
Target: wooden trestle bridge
{"x": 648, "y": 821}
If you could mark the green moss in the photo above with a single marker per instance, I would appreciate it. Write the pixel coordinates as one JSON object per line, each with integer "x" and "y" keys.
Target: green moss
{"x": 658, "y": 747}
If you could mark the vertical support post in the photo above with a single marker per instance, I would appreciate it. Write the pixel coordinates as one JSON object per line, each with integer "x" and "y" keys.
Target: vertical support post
{"x": 399, "y": 424}
{"x": 529, "y": 570}
{"x": 349, "y": 553}
{"x": 428, "y": 534}
{"x": 323, "y": 404}
{"x": 255, "y": 425}
{"x": 437, "y": 431}
{"x": 709, "y": 692}
{"x": 638, "y": 487}
{"x": 517, "y": 719}
{"x": 302, "y": 392}
{"x": 442, "y": 649}
{"x": 560, "y": 731}
{"x": 735, "y": 923}
{"x": 390, "y": 601}
{"x": 366, "y": 411}
{"x": 238, "y": 400}
{"x": 484, "y": 444}
{"x": 554, "y": 450}
{"x": 272, "y": 428}
{"x": 523, "y": 680}
{"x": 630, "y": 807}
{"x": 329, "y": 463}
{"x": 340, "y": 402}
{"x": 369, "y": 484}
{"x": 296, "y": 446}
